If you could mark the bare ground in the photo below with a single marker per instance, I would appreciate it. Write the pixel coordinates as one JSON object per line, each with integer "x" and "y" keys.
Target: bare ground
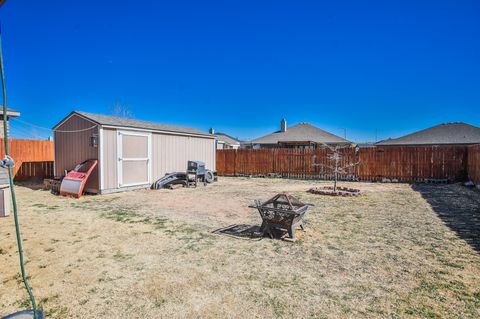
{"x": 393, "y": 252}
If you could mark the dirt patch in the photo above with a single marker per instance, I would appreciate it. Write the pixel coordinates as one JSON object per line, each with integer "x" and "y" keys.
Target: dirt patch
{"x": 151, "y": 254}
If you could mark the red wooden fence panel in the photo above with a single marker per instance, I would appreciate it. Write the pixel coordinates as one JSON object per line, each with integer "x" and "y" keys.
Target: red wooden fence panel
{"x": 474, "y": 164}
{"x": 406, "y": 164}
{"x": 33, "y": 158}
{"x": 411, "y": 164}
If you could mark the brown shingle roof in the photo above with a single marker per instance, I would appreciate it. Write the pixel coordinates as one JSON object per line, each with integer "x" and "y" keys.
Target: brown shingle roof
{"x": 302, "y": 132}
{"x": 446, "y": 133}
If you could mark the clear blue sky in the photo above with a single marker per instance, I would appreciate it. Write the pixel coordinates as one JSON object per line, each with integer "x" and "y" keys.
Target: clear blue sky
{"x": 240, "y": 66}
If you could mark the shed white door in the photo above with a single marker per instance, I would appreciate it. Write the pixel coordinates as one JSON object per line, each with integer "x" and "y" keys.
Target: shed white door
{"x": 134, "y": 158}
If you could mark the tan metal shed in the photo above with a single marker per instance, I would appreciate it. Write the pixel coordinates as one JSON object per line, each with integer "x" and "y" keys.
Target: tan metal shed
{"x": 131, "y": 153}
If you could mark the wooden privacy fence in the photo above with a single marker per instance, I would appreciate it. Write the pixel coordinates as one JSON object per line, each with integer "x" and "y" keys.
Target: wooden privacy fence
{"x": 406, "y": 164}
{"x": 473, "y": 168}
{"x": 34, "y": 171}
{"x": 33, "y": 158}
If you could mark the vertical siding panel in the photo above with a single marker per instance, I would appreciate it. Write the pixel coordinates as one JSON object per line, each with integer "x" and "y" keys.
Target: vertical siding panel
{"x": 73, "y": 148}
{"x": 173, "y": 151}
{"x": 109, "y": 150}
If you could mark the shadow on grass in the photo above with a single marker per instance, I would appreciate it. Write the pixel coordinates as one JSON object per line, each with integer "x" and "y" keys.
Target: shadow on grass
{"x": 458, "y": 207}
{"x": 241, "y": 231}
{"x": 33, "y": 184}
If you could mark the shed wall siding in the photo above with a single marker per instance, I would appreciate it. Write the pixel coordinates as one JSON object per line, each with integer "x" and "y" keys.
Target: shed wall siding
{"x": 74, "y": 147}
{"x": 169, "y": 153}
{"x": 110, "y": 158}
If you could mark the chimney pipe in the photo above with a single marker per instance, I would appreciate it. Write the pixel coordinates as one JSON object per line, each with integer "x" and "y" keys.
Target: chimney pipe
{"x": 212, "y": 131}
{"x": 283, "y": 125}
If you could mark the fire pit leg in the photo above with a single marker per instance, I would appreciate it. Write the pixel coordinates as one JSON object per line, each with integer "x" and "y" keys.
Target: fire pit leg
{"x": 268, "y": 230}
{"x": 262, "y": 227}
{"x": 291, "y": 233}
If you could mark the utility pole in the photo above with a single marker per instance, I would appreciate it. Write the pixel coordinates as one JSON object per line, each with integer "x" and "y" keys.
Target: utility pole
{"x": 8, "y": 163}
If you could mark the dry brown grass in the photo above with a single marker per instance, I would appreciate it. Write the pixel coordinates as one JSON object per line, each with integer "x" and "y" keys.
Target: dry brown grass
{"x": 152, "y": 254}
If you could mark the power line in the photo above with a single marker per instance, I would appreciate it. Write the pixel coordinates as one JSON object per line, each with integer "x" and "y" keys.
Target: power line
{"x": 25, "y": 133}
{"x": 20, "y": 131}
{"x": 58, "y": 131}
{"x": 17, "y": 129}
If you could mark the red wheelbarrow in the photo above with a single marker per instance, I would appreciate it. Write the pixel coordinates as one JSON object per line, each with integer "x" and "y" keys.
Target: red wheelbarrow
{"x": 74, "y": 183}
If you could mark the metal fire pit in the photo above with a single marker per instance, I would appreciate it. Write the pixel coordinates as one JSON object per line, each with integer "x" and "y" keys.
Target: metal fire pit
{"x": 282, "y": 211}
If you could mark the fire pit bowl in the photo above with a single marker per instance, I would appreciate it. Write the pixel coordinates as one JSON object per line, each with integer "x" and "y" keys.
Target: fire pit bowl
{"x": 283, "y": 212}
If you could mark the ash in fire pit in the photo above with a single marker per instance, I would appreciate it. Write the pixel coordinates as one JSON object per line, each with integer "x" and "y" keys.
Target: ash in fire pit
{"x": 281, "y": 212}
{"x": 335, "y": 191}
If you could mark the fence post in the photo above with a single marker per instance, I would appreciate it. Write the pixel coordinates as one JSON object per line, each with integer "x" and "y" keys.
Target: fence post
{"x": 234, "y": 162}
{"x": 275, "y": 162}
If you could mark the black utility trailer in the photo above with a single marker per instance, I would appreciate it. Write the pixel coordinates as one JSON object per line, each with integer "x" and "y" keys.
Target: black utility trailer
{"x": 196, "y": 172}
{"x": 282, "y": 211}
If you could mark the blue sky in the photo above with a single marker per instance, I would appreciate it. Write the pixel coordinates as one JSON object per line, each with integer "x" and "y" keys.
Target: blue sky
{"x": 240, "y": 66}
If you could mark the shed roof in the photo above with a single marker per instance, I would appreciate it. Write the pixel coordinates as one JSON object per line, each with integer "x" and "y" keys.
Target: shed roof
{"x": 301, "y": 132}
{"x": 227, "y": 138}
{"x": 445, "y": 133}
{"x": 130, "y": 123}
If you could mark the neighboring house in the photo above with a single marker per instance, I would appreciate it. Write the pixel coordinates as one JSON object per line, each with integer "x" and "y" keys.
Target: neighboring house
{"x": 225, "y": 141}
{"x": 456, "y": 133}
{"x": 10, "y": 114}
{"x": 366, "y": 145}
{"x": 301, "y": 135}
{"x": 131, "y": 153}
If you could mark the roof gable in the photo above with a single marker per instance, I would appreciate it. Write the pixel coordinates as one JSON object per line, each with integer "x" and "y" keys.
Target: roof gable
{"x": 227, "y": 138}
{"x": 301, "y": 132}
{"x": 446, "y": 133}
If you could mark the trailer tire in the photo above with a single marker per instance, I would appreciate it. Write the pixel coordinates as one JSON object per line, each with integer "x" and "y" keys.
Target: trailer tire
{"x": 209, "y": 176}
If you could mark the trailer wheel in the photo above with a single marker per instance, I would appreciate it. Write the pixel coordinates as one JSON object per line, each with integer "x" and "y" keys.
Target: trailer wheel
{"x": 209, "y": 176}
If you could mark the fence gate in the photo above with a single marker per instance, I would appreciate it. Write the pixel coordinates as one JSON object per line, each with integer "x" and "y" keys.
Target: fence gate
{"x": 134, "y": 158}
